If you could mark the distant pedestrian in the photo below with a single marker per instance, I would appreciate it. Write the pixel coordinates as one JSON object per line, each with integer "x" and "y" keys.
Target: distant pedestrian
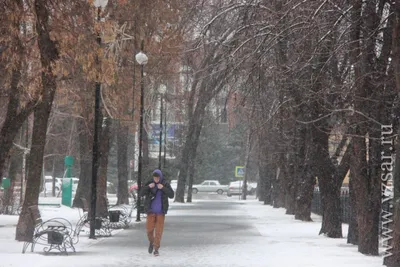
{"x": 156, "y": 193}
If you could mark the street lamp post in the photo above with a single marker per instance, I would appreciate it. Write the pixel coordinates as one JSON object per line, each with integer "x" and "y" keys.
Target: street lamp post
{"x": 99, "y": 4}
{"x": 165, "y": 135}
{"x": 142, "y": 59}
{"x": 162, "y": 91}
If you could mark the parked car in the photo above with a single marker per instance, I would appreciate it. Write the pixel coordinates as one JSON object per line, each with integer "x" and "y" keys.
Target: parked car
{"x": 133, "y": 186}
{"x": 111, "y": 189}
{"x": 210, "y": 186}
{"x": 344, "y": 190}
{"x": 174, "y": 184}
{"x": 48, "y": 184}
{"x": 236, "y": 187}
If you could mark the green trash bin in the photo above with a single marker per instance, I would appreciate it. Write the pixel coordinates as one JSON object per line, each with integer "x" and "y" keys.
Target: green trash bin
{"x": 66, "y": 198}
{"x": 5, "y": 183}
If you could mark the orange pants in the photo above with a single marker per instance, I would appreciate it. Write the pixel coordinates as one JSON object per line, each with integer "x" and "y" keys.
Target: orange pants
{"x": 155, "y": 227}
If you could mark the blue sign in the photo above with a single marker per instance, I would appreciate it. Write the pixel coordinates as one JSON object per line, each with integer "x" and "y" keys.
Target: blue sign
{"x": 173, "y": 132}
{"x": 239, "y": 171}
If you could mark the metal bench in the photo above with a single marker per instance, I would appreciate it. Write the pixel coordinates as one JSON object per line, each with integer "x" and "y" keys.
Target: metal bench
{"x": 56, "y": 234}
{"x": 102, "y": 225}
{"x": 119, "y": 216}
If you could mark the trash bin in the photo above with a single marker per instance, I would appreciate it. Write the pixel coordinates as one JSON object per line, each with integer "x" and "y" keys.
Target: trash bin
{"x": 97, "y": 223}
{"x": 55, "y": 238}
{"x": 114, "y": 215}
{"x": 5, "y": 183}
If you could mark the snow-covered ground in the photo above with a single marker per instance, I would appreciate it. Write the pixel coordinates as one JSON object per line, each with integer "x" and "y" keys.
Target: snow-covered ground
{"x": 280, "y": 241}
{"x": 295, "y": 243}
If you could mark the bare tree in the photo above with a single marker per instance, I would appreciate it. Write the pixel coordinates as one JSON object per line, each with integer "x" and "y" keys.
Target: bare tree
{"x": 48, "y": 56}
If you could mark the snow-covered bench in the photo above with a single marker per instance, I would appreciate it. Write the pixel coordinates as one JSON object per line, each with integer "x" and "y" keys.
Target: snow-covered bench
{"x": 102, "y": 225}
{"x": 55, "y": 234}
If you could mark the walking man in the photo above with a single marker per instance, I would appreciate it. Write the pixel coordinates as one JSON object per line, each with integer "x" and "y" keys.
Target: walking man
{"x": 156, "y": 193}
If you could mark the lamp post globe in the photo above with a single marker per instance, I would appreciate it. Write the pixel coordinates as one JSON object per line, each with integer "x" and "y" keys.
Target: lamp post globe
{"x": 141, "y": 58}
{"x": 100, "y": 3}
{"x": 162, "y": 89}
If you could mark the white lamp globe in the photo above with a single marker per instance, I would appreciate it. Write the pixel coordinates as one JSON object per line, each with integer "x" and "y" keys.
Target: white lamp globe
{"x": 141, "y": 58}
{"x": 162, "y": 89}
{"x": 100, "y": 3}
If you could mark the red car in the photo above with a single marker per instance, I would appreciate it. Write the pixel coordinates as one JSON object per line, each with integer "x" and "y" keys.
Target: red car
{"x": 133, "y": 187}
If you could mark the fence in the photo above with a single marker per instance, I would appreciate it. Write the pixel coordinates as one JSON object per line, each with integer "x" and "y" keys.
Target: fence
{"x": 316, "y": 205}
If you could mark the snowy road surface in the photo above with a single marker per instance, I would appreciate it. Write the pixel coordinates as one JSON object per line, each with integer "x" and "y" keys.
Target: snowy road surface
{"x": 213, "y": 231}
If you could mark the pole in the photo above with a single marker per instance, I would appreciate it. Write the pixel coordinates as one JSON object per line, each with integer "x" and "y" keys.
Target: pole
{"x": 165, "y": 135}
{"x": 133, "y": 107}
{"x": 161, "y": 132}
{"x": 139, "y": 181}
{"x": 240, "y": 189}
{"x": 95, "y": 161}
{"x": 24, "y": 169}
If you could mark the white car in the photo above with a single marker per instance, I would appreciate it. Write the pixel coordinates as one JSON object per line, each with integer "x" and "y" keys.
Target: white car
{"x": 174, "y": 184}
{"x": 48, "y": 184}
{"x": 236, "y": 187}
{"x": 209, "y": 186}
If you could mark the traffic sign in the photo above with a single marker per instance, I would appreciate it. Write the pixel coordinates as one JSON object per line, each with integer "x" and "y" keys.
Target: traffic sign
{"x": 239, "y": 171}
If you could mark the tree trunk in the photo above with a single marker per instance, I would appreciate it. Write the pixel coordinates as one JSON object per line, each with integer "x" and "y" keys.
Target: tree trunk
{"x": 189, "y": 147}
{"x": 290, "y": 184}
{"x": 191, "y": 177}
{"x": 264, "y": 184}
{"x": 193, "y": 154}
{"x": 85, "y": 163}
{"x": 183, "y": 170}
{"x": 304, "y": 196}
{"x": 329, "y": 187}
{"x": 331, "y": 210}
{"x": 277, "y": 175}
{"x": 261, "y": 183}
{"x": 247, "y": 162}
{"x": 306, "y": 178}
{"x": 394, "y": 259}
{"x": 48, "y": 56}
{"x": 53, "y": 174}
{"x": 352, "y": 234}
{"x": 102, "y": 202}
{"x": 367, "y": 216}
{"x": 25, "y": 225}
{"x": 122, "y": 143}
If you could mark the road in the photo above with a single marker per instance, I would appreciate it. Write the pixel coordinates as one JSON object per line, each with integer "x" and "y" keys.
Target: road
{"x": 213, "y": 231}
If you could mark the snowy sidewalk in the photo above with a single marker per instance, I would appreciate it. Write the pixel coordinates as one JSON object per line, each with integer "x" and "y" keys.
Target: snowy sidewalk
{"x": 258, "y": 236}
{"x": 292, "y": 243}
{"x": 11, "y": 250}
